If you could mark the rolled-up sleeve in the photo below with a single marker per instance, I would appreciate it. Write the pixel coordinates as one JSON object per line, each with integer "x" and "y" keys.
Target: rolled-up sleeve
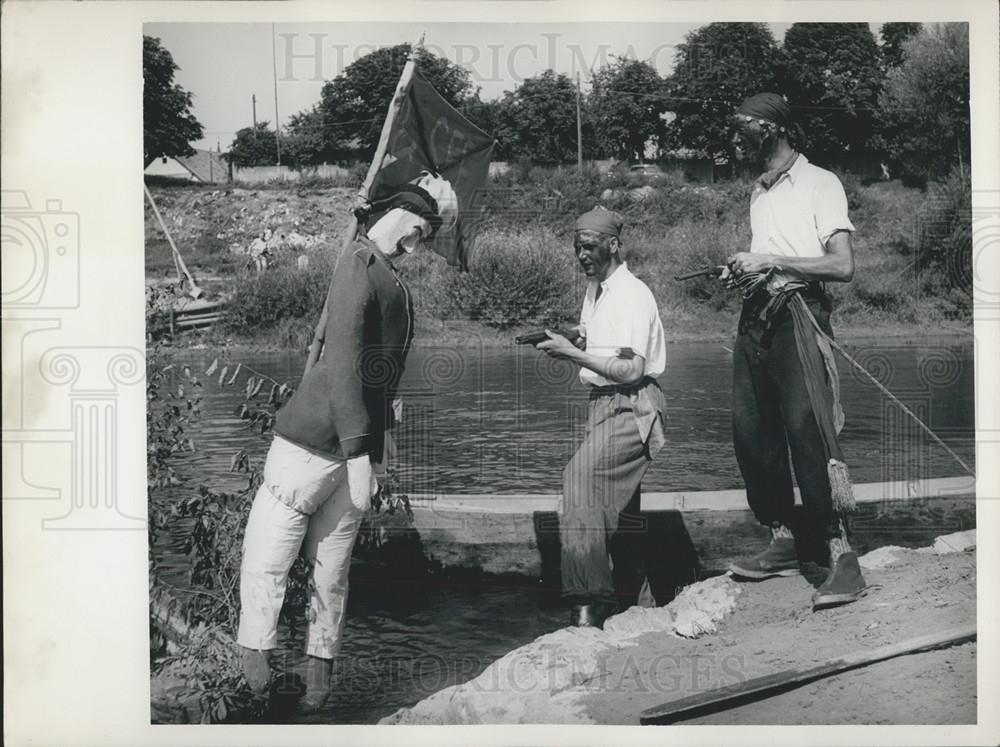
{"x": 637, "y": 322}
{"x": 830, "y": 208}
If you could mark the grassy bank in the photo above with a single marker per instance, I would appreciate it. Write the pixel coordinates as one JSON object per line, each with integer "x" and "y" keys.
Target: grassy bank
{"x": 910, "y": 249}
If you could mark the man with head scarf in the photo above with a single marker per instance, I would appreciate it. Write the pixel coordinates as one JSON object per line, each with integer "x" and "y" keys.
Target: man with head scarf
{"x": 785, "y": 388}
{"x": 620, "y": 352}
{"x": 320, "y": 471}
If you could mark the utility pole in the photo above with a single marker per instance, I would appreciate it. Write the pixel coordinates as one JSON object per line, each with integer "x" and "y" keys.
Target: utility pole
{"x": 253, "y": 100}
{"x": 277, "y": 122}
{"x": 579, "y": 127}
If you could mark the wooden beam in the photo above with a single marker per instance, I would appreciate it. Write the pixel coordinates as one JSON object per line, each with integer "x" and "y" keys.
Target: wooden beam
{"x": 758, "y": 688}
{"x": 193, "y": 290}
{"x": 695, "y": 500}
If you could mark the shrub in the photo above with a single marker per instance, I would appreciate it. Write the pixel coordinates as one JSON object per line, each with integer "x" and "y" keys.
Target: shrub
{"x": 547, "y": 196}
{"x": 944, "y": 226}
{"x": 516, "y": 278}
{"x": 260, "y": 301}
{"x": 694, "y": 244}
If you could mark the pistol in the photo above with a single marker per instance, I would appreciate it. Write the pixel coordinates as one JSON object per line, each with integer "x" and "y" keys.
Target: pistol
{"x": 536, "y": 336}
{"x": 704, "y": 272}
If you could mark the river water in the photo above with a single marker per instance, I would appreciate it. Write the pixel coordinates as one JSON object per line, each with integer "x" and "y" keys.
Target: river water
{"x": 494, "y": 421}
{"x": 490, "y": 420}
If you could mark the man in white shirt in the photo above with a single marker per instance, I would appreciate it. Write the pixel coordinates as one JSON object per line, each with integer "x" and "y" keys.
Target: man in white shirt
{"x": 785, "y": 393}
{"x": 621, "y": 351}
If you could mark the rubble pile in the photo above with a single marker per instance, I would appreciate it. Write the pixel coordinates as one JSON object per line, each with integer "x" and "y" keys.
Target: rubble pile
{"x": 253, "y": 222}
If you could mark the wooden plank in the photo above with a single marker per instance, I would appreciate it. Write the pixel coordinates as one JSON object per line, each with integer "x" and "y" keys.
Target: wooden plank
{"x": 201, "y": 321}
{"x": 768, "y": 685}
{"x": 708, "y": 500}
{"x": 193, "y": 290}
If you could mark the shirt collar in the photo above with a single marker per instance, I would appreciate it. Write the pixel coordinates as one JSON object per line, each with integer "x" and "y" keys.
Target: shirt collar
{"x": 616, "y": 276}
{"x": 796, "y": 168}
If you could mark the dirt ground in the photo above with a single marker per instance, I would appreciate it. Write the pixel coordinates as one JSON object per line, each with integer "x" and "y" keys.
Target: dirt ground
{"x": 935, "y": 687}
{"x": 773, "y": 628}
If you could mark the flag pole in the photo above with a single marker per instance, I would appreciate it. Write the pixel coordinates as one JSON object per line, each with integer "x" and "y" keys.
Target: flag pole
{"x": 579, "y": 128}
{"x": 316, "y": 347}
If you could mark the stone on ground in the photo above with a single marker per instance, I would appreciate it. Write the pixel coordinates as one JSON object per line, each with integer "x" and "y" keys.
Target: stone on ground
{"x": 957, "y": 542}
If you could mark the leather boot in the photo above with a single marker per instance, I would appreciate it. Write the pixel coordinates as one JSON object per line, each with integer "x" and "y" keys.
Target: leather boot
{"x": 256, "y": 667}
{"x": 319, "y": 674}
{"x": 844, "y": 583}
{"x": 779, "y": 559}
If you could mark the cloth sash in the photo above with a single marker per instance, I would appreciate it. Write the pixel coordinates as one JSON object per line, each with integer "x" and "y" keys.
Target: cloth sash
{"x": 830, "y": 420}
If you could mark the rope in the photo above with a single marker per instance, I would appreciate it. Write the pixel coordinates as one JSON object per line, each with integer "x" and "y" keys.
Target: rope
{"x": 891, "y": 396}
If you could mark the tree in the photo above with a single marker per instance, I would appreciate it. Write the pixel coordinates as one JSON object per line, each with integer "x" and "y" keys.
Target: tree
{"x": 353, "y": 105}
{"x": 483, "y": 114}
{"x": 893, "y": 35}
{"x": 537, "y": 120}
{"x": 168, "y": 126}
{"x": 254, "y": 147}
{"x": 302, "y": 142}
{"x": 831, "y": 76}
{"x": 715, "y": 68}
{"x": 924, "y": 119}
{"x": 626, "y": 101}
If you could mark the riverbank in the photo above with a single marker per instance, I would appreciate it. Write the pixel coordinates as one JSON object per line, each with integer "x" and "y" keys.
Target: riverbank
{"x": 719, "y": 632}
{"x": 523, "y": 273}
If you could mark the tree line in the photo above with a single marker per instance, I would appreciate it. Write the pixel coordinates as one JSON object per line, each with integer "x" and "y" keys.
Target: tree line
{"x": 904, "y": 101}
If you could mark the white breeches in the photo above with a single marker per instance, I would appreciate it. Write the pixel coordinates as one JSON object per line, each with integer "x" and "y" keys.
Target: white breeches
{"x": 304, "y": 496}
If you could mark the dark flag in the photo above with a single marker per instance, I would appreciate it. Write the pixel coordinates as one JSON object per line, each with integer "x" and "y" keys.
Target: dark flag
{"x": 429, "y": 134}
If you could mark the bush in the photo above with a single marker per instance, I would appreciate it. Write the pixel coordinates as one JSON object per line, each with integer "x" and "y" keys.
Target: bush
{"x": 878, "y": 291}
{"x": 945, "y": 222}
{"x": 262, "y": 301}
{"x": 694, "y": 244}
{"x": 516, "y": 278}
{"x": 547, "y": 196}
{"x": 853, "y": 189}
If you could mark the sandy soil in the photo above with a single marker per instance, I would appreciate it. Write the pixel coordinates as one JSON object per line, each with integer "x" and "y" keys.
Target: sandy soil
{"x": 935, "y": 687}
{"x": 773, "y": 628}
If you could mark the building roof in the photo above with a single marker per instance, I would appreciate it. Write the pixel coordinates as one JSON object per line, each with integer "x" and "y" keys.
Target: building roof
{"x": 206, "y": 165}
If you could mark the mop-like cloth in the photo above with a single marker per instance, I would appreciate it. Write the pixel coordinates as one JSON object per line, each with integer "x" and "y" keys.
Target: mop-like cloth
{"x": 829, "y": 415}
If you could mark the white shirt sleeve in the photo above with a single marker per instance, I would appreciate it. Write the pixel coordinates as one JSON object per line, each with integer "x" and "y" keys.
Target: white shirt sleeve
{"x": 830, "y": 208}
{"x": 640, "y": 324}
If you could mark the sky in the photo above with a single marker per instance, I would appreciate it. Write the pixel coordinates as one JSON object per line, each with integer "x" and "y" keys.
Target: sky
{"x": 225, "y": 64}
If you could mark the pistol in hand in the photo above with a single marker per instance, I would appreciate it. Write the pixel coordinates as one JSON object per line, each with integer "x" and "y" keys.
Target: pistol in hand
{"x": 536, "y": 336}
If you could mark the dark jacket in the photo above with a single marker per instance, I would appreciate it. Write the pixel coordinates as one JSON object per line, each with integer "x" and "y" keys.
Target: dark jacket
{"x": 342, "y": 407}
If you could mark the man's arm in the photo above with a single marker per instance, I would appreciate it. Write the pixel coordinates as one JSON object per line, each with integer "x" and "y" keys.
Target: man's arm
{"x": 620, "y": 369}
{"x": 836, "y": 265}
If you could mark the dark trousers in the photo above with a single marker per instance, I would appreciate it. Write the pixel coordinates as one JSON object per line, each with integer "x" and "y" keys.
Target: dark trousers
{"x": 600, "y": 509}
{"x": 772, "y": 415}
